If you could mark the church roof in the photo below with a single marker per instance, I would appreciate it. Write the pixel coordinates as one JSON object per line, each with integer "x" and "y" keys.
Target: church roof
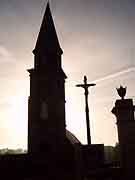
{"x": 47, "y": 41}
{"x": 71, "y": 137}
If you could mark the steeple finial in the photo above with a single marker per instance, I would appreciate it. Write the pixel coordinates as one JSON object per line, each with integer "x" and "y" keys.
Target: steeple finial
{"x": 47, "y": 41}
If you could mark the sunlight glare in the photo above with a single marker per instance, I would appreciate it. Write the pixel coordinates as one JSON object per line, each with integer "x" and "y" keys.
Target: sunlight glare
{"x": 18, "y": 123}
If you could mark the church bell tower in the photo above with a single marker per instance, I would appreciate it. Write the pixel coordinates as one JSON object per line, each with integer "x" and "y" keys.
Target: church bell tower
{"x": 46, "y": 108}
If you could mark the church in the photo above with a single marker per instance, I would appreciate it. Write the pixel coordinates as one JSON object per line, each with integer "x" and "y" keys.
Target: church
{"x": 47, "y": 134}
{"x": 53, "y": 151}
{"x": 46, "y": 112}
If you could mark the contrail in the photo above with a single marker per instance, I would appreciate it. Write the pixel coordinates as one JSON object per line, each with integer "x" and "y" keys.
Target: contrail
{"x": 110, "y": 76}
{"x": 114, "y": 75}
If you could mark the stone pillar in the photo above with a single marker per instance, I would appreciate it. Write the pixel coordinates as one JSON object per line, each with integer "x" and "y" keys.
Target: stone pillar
{"x": 124, "y": 112}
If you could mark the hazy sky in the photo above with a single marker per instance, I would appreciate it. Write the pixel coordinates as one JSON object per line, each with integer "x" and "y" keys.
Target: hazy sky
{"x": 98, "y": 40}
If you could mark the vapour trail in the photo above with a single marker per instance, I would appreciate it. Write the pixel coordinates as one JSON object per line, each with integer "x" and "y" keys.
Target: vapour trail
{"x": 105, "y": 78}
{"x": 114, "y": 75}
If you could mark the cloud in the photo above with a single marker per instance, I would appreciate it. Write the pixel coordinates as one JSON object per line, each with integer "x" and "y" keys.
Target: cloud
{"x": 6, "y": 56}
{"x": 10, "y": 67}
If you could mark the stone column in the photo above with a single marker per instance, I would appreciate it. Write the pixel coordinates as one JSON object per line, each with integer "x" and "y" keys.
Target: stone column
{"x": 124, "y": 112}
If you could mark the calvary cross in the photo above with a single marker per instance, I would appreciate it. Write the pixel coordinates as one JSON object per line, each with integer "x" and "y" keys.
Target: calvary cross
{"x": 86, "y": 86}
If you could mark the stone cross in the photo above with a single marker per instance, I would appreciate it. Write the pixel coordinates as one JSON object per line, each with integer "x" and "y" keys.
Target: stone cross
{"x": 85, "y": 86}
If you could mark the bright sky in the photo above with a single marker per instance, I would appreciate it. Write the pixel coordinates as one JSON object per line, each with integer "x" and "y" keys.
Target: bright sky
{"x": 98, "y": 40}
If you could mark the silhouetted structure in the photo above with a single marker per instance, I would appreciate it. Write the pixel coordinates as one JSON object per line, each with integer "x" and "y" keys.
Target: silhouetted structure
{"x": 46, "y": 119}
{"x": 122, "y": 92}
{"x": 47, "y": 134}
{"x": 86, "y": 86}
{"x": 124, "y": 112}
{"x": 54, "y": 152}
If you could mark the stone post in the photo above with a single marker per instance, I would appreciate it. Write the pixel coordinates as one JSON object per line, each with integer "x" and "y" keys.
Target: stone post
{"x": 124, "y": 112}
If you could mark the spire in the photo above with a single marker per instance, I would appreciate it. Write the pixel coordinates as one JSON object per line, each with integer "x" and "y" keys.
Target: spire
{"x": 47, "y": 41}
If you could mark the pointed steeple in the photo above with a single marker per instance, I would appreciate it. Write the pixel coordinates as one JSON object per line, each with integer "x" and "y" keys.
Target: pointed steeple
{"x": 47, "y": 41}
